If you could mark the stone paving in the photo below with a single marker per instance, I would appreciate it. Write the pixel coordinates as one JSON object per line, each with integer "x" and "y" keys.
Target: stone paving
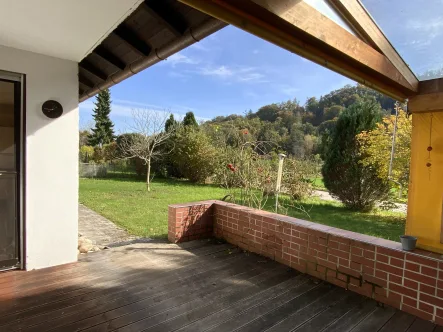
{"x": 101, "y": 231}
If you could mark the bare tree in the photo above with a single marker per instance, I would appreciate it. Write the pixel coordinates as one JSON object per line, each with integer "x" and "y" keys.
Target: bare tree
{"x": 147, "y": 138}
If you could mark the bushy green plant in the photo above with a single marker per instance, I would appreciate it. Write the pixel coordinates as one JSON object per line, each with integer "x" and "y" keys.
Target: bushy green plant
{"x": 86, "y": 153}
{"x": 98, "y": 157}
{"x": 194, "y": 155}
{"x": 296, "y": 179}
{"x": 110, "y": 151}
{"x": 356, "y": 185}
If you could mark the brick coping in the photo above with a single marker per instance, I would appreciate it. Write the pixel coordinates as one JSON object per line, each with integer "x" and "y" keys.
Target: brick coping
{"x": 380, "y": 242}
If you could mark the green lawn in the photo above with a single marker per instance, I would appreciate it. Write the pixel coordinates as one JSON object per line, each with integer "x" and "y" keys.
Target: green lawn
{"x": 127, "y": 203}
{"x": 318, "y": 184}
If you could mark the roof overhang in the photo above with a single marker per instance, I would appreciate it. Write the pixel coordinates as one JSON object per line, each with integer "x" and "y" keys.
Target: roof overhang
{"x": 366, "y": 57}
{"x": 63, "y": 29}
{"x": 154, "y": 31}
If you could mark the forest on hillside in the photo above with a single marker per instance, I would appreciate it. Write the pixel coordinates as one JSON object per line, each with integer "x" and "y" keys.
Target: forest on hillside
{"x": 300, "y": 130}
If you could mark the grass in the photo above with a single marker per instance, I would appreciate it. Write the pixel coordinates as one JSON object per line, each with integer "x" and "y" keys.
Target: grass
{"x": 318, "y": 184}
{"x": 126, "y": 202}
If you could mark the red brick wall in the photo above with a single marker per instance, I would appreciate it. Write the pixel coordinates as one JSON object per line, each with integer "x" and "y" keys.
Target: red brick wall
{"x": 187, "y": 222}
{"x": 371, "y": 266}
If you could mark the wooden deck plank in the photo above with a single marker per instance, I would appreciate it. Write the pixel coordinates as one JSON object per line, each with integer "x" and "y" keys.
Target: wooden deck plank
{"x": 85, "y": 308}
{"x": 349, "y": 320}
{"x": 202, "y": 312}
{"x": 147, "y": 317}
{"x": 198, "y": 286}
{"x": 155, "y": 304}
{"x": 375, "y": 320}
{"x": 421, "y": 325}
{"x": 299, "y": 297}
{"x": 242, "y": 307}
{"x": 295, "y": 318}
{"x": 331, "y": 314}
{"x": 302, "y": 305}
{"x": 21, "y": 302}
{"x": 104, "y": 256}
{"x": 400, "y": 322}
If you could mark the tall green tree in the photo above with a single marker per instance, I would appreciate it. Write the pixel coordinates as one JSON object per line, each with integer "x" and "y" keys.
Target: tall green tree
{"x": 358, "y": 186}
{"x": 103, "y": 132}
{"x": 170, "y": 123}
{"x": 189, "y": 120}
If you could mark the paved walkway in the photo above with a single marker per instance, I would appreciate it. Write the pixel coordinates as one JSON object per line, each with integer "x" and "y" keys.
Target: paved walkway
{"x": 324, "y": 195}
{"x": 100, "y": 230}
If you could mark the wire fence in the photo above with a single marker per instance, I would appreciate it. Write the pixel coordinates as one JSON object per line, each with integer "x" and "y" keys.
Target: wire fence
{"x": 108, "y": 170}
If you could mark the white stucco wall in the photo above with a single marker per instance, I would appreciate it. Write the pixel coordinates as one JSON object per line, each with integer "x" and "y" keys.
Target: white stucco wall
{"x": 51, "y": 157}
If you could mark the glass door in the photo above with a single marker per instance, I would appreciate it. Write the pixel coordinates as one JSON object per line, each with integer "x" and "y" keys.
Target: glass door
{"x": 10, "y": 129}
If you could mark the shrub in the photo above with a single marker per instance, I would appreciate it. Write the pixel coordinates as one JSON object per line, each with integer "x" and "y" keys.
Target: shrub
{"x": 98, "y": 157}
{"x": 296, "y": 179}
{"x": 86, "y": 153}
{"x": 248, "y": 174}
{"x": 110, "y": 151}
{"x": 356, "y": 185}
{"x": 194, "y": 155}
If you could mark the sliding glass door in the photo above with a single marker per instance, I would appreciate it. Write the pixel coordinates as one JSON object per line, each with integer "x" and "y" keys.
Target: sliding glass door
{"x": 10, "y": 135}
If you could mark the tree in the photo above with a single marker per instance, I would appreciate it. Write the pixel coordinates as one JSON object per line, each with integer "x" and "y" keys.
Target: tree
{"x": 375, "y": 146}
{"x": 194, "y": 155}
{"x": 356, "y": 185}
{"x": 147, "y": 139}
{"x": 170, "y": 123}
{"x": 103, "y": 132}
{"x": 83, "y": 137}
{"x": 189, "y": 120}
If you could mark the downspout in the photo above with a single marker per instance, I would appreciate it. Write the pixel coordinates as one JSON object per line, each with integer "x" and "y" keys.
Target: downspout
{"x": 394, "y": 135}
{"x": 190, "y": 37}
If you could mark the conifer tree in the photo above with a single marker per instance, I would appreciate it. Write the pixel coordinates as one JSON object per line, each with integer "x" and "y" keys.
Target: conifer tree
{"x": 189, "y": 120}
{"x": 103, "y": 132}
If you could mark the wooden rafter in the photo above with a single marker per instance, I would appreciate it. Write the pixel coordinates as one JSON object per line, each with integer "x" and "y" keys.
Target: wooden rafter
{"x": 132, "y": 40}
{"x": 85, "y": 81}
{"x": 357, "y": 16}
{"x": 90, "y": 68}
{"x": 166, "y": 16}
{"x": 109, "y": 57}
{"x": 299, "y": 28}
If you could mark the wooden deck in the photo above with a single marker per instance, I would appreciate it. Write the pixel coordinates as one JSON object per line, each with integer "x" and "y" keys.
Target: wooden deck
{"x": 197, "y": 286}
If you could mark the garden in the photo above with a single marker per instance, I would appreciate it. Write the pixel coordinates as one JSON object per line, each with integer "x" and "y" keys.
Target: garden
{"x": 274, "y": 159}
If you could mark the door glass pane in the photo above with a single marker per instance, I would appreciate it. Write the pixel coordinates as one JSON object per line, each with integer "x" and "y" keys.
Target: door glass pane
{"x": 9, "y": 240}
{"x": 7, "y": 133}
{"x": 8, "y": 224}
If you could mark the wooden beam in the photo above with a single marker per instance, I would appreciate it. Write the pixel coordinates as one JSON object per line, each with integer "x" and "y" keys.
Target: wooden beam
{"x": 90, "y": 68}
{"x": 166, "y": 16}
{"x": 357, "y": 16}
{"x": 85, "y": 81}
{"x": 299, "y": 28}
{"x": 429, "y": 99}
{"x": 426, "y": 103}
{"x": 109, "y": 57}
{"x": 132, "y": 40}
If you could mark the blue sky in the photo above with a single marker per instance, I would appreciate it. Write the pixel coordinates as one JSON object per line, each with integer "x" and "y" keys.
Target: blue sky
{"x": 232, "y": 71}
{"x": 229, "y": 72}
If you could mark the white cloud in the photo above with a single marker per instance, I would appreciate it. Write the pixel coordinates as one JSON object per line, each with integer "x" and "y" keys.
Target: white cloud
{"x": 200, "y": 47}
{"x": 255, "y": 51}
{"x": 233, "y": 73}
{"x": 179, "y": 58}
{"x": 122, "y": 108}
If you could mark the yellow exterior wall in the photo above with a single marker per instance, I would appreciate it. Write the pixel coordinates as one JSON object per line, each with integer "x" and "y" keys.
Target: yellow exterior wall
{"x": 426, "y": 183}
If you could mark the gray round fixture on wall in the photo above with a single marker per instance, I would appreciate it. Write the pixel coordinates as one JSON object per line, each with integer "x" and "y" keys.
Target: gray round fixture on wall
{"x": 52, "y": 109}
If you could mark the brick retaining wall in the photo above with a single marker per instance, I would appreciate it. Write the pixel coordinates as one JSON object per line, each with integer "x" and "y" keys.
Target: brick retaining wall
{"x": 374, "y": 267}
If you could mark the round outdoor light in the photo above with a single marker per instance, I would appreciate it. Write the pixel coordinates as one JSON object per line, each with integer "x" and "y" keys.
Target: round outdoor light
{"x": 52, "y": 109}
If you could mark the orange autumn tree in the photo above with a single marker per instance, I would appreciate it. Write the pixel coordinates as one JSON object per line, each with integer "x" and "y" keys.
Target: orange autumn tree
{"x": 375, "y": 146}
